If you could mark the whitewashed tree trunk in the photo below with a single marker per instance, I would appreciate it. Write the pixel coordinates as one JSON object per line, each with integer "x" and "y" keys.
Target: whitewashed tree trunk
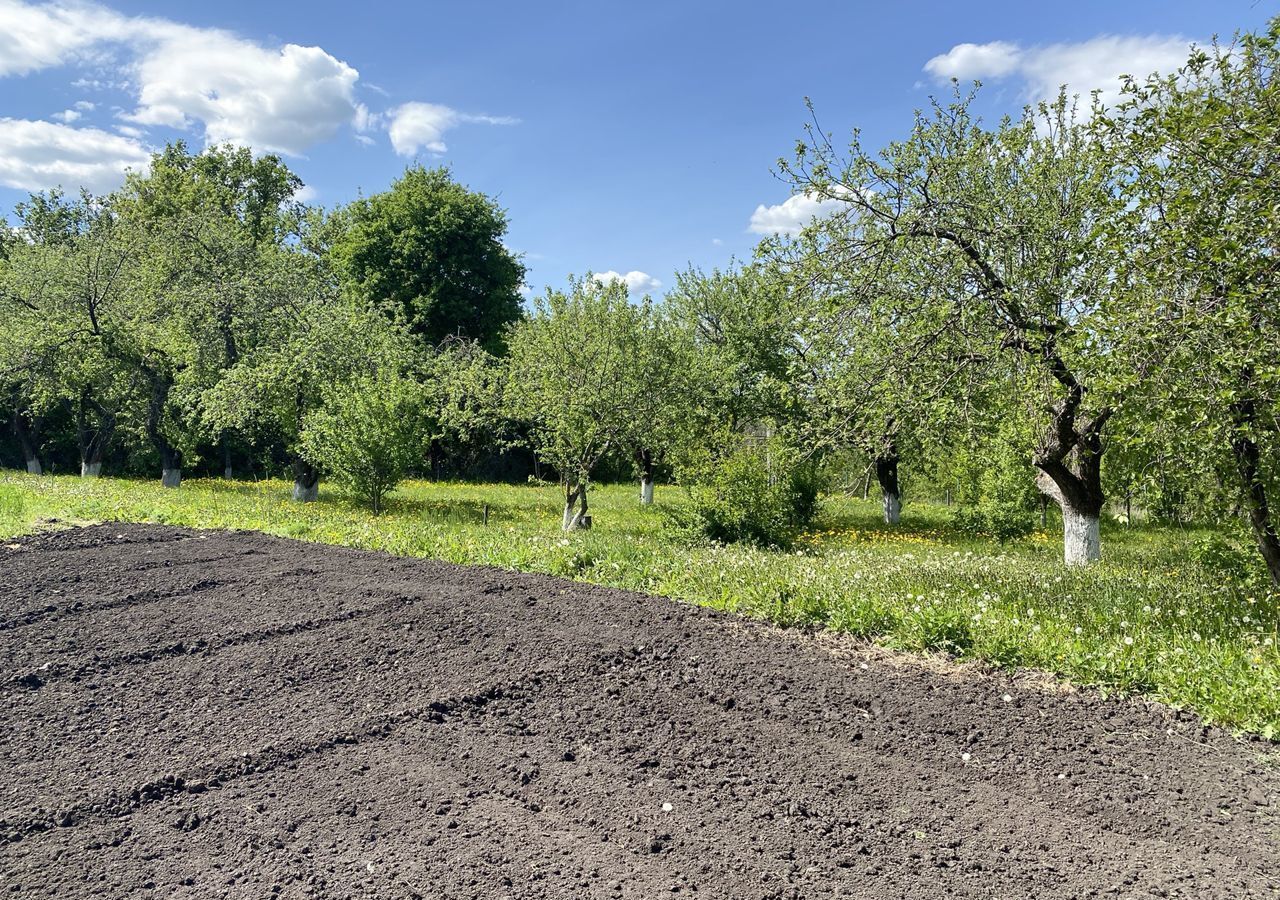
{"x": 646, "y": 491}
{"x": 33, "y": 466}
{"x": 90, "y": 469}
{"x": 575, "y": 509}
{"x": 1081, "y": 541}
{"x": 171, "y": 478}
{"x": 892, "y": 508}
{"x": 886, "y": 465}
{"x": 306, "y": 493}
{"x": 306, "y": 482}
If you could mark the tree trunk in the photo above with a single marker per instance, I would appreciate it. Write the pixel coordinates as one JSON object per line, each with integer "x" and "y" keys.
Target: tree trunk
{"x": 227, "y": 472}
{"x": 306, "y": 482}
{"x": 644, "y": 460}
{"x": 887, "y": 476}
{"x": 170, "y": 469}
{"x": 1078, "y": 492}
{"x": 1248, "y": 465}
{"x": 93, "y": 441}
{"x": 1070, "y": 473}
{"x": 170, "y": 456}
{"x": 1081, "y": 541}
{"x": 576, "y": 519}
{"x": 28, "y": 435}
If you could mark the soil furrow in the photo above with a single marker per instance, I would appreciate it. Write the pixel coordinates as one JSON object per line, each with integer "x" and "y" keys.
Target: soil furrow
{"x": 116, "y": 804}
{"x": 79, "y": 607}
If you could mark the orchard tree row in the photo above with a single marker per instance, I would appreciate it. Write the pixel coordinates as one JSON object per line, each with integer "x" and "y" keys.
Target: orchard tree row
{"x": 1075, "y": 306}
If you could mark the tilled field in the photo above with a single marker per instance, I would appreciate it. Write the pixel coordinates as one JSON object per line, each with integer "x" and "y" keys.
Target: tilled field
{"x": 192, "y": 714}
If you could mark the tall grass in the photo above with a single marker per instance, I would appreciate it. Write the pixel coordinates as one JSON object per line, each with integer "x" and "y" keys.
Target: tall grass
{"x": 1161, "y": 616}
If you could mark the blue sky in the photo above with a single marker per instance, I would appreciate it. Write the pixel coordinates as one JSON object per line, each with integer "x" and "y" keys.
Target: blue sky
{"x": 635, "y": 138}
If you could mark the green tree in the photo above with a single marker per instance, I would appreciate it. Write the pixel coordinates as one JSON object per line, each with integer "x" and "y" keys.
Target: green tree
{"x": 1201, "y": 150}
{"x": 214, "y": 225}
{"x": 313, "y": 340}
{"x": 63, "y": 302}
{"x": 429, "y": 253}
{"x": 369, "y": 434}
{"x": 582, "y": 372}
{"x": 1010, "y": 216}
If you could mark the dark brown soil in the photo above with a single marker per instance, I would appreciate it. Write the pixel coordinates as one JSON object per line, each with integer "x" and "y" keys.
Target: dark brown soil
{"x": 191, "y": 714}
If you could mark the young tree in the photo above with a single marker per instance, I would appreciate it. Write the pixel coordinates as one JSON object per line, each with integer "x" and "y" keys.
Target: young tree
{"x": 582, "y": 371}
{"x": 1012, "y": 215}
{"x": 369, "y": 433}
{"x": 429, "y": 253}
{"x": 1201, "y": 237}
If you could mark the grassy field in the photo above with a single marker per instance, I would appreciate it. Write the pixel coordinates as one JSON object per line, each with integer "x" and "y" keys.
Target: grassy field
{"x": 1175, "y": 614}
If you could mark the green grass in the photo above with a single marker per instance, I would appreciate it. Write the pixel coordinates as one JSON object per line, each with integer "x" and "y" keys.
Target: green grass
{"x": 1149, "y": 620}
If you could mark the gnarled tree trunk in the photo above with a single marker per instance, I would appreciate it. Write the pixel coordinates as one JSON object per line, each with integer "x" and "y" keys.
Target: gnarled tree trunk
{"x": 886, "y": 465}
{"x": 1070, "y": 464}
{"x": 575, "y": 507}
{"x": 1248, "y": 459}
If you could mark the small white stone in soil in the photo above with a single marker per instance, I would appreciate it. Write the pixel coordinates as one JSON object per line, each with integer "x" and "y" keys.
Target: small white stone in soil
{"x": 667, "y": 807}
{"x": 965, "y": 756}
{"x": 1008, "y": 698}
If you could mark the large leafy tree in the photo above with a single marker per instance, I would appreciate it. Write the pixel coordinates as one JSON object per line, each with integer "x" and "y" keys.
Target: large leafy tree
{"x": 1201, "y": 235}
{"x": 1012, "y": 216}
{"x": 213, "y": 227}
{"x": 880, "y": 356}
{"x": 64, "y": 295}
{"x": 429, "y": 253}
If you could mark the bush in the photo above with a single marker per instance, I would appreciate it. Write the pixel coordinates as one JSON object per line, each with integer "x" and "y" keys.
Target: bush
{"x": 1220, "y": 556}
{"x": 761, "y": 493}
{"x": 993, "y": 518}
{"x": 368, "y": 435}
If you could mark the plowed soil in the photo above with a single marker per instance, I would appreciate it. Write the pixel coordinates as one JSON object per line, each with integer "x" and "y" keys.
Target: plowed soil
{"x": 204, "y": 714}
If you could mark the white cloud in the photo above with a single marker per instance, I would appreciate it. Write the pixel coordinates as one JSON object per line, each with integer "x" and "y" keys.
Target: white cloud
{"x": 1095, "y": 64}
{"x": 67, "y": 116}
{"x": 636, "y": 282}
{"x": 37, "y": 37}
{"x": 790, "y": 216}
{"x": 421, "y": 126}
{"x": 36, "y": 155}
{"x": 416, "y": 126}
{"x": 969, "y": 61}
{"x": 283, "y": 100}
{"x": 212, "y": 82}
